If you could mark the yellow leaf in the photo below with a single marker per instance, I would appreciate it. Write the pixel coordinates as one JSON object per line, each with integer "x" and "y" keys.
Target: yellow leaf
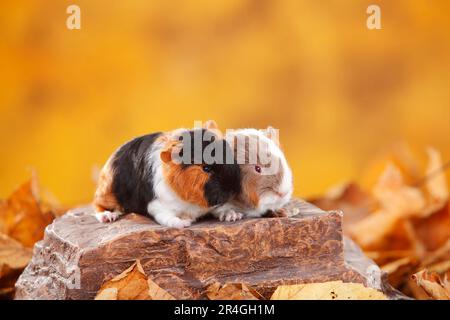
{"x": 132, "y": 284}
{"x": 232, "y": 291}
{"x": 333, "y": 290}
{"x": 107, "y": 294}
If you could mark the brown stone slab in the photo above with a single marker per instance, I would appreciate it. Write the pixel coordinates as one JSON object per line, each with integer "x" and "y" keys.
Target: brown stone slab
{"x": 78, "y": 254}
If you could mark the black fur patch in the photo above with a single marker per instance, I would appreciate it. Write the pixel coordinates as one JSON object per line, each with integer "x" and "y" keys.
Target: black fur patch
{"x": 132, "y": 181}
{"x": 225, "y": 174}
{"x": 225, "y": 181}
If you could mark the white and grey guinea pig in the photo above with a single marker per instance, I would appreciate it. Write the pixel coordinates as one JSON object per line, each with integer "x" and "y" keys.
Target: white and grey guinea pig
{"x": 266, "y": 178}
{"x": 141, "y": 177}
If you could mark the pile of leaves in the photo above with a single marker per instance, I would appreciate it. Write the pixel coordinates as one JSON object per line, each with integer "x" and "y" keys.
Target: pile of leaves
{"x": 403, "y": 224}
{"x": 23, "y": 218}
{"x": 134, "y": 284}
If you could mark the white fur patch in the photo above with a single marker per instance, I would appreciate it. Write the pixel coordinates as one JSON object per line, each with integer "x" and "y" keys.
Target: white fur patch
{"x": 168, "y": 206}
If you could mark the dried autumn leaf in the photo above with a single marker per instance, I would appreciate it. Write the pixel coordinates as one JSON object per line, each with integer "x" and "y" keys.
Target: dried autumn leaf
{"x": 21, "y": 216}
{"x": 397, "y": 201}
{"x": 401, "y": 155}
{"x": 399, "y": 270}
{"x": 232, "y": 291}
{"x": 332, "y": 290}
{"x": 155, "y": 292}
{"x": 372, "y": 229}
{"x": 6, "y": 293}
{"x": 436, "y": 183}
{"x": 384, "y": 257}
{"x": 441, "y": 254}
{"x": 446, "y": 281}
{"x": 350, "y": 198}
{"x": 433, "y": 230}
{"x": 440, "y": 267}
{"x": 431, "y": 283}
{"x": 394, "y": 266}
{"x": 395, "y": 196}
{"x": 107, "y": 294}
{"x": 13, "y": 254}
{"x": 413, "y": 290}
{"x": 415, "y": 242}
{"x": 13, "y": 259}
{"x": 132, "y": 284}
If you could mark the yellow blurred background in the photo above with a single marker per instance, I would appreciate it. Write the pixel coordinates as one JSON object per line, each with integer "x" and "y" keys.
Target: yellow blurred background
{"x": 342, "y": 96}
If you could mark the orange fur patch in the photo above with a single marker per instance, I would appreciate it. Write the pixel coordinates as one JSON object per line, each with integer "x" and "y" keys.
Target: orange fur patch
{"x": 104, "y": 198}
{"x": 250, "y": 188}
{"x": 188, "y": 183}
{"x": 253, "y": 198}
{"x": 171, "y": 145}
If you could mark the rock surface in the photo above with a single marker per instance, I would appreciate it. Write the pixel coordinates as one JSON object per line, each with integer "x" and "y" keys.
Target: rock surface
{"x": 78, "y": 254}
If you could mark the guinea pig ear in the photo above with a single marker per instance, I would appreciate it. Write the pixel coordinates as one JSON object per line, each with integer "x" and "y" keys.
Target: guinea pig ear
{"x": 272, "y": 134}
{"x": 166, "y": 153}
{"x": 211, "y": 125}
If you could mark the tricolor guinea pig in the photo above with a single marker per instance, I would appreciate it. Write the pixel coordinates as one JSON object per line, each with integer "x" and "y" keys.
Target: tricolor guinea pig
{"x": 266, "y": 178}
{"x": 165, "y": 175}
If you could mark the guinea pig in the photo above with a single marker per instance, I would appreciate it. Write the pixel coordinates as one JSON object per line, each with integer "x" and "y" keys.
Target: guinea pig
{"x": 266, "y": 178}
{"x": 166, "y": 175}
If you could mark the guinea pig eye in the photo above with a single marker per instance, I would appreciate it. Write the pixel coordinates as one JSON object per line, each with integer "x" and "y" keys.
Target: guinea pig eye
{"x": 206, "y": 168}
{"x": 258, "y": 169}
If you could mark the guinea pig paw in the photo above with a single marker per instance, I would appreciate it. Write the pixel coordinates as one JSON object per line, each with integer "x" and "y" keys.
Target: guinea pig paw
{"x": 231, "y": 216}
{"x": 107, "y": 216}
{"x": 176, "y": 222}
